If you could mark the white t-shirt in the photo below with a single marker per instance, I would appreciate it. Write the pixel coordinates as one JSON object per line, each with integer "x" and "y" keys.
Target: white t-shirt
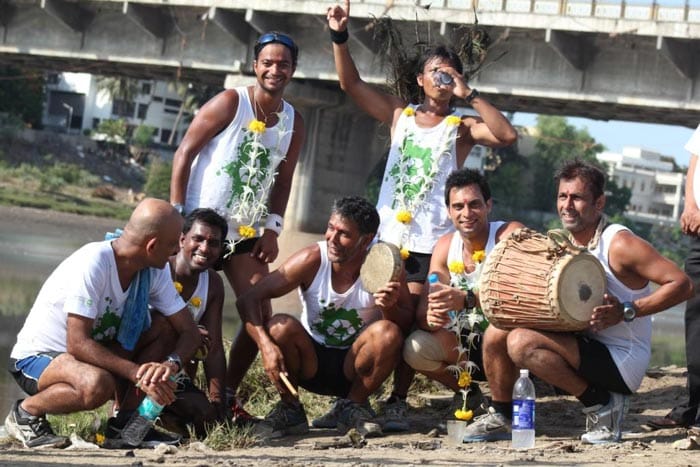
{"x": 629, "y": 344}
{"x": 87, "y": 284}
{"x": 693, "y": 147}
{"x": 335, "y": 319}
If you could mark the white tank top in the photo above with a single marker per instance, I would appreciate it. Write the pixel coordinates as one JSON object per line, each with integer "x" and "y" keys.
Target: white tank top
{"x": 629, "y": 344}
{"x": 455, "y": 254}
{"x": 335, "y": 319}
{"x": 201, "y": 292}
{"x": 220, "y": 176}
{"x": 414, "y": 152}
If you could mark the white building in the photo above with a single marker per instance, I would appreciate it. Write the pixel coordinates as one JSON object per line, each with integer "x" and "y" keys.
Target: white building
{"x": 74, "y": 103}
{"x": 657, "y": 191}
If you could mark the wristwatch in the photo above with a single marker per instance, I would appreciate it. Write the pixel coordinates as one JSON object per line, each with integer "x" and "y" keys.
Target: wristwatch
{"x": 469, "y": 300}
{"x": 628, "y": 311}
{"x": 179, "y": 208}
{"x": 174, "y": 358}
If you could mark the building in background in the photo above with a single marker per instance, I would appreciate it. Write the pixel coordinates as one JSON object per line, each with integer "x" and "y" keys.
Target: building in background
{"x": 656, "y": 183}
{"x": 75, "y": 103}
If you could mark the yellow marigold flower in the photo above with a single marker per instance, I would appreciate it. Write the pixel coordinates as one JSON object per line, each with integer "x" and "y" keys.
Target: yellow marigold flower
{"x": 409, "y": 112}
{"x": 99, "y": 438}
{"x": 456, "y": 267}
{"x": 404, "y": 253}
{"x": 246, "y": 231}
{"x": 196, "y": 302}
{"x": 178, "y": 286}
{"x": 256, "y": 126}
{"x": 478, "y": 256}
{"x": 404, "y": 216}
{"x": 464, "y": 415}
{"x": 453, "y": 120}
{"x": 465, "y": 379}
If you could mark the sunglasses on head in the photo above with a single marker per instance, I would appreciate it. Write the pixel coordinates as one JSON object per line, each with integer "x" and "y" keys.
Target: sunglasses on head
{"x": 275, "y": 37}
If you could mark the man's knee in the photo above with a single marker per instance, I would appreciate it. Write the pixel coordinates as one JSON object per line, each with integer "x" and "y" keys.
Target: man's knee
{"x": 283, "y": 328}
{"x": 385, "y": 337}
{"x": 96, "y": 387}
{"x": 520, "y": 344}
{"x": 423, "y": 352}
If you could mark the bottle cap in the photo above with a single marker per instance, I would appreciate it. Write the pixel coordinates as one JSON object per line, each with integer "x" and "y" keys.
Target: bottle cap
{"x": 524, "y": 372}
{"x": 433, "y": 278}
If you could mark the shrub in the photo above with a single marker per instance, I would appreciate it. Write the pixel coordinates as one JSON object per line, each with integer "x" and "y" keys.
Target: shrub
{"x": 158, "y": 181}
{"x": 143, "y": 135}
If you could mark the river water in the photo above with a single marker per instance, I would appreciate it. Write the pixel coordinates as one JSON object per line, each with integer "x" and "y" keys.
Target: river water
{"x": 33, "y": 243}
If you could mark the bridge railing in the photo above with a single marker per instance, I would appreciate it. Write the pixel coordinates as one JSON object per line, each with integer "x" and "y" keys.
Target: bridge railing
{"x": 670, "y": 11}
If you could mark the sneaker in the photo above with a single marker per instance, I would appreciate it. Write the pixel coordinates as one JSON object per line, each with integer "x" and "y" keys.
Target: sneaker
{"x": 284, "y": 419}
{"x": 492, "y": 426}
{"x": 330, "y": 418}
{"x": 240, "y": 416}
{"x": 34, "y": 432}
{"x": 114, "y": 434}
{"x": 354, "y": 415}
{"x": 394, "y": 415}
{"x": 604, "y": 422}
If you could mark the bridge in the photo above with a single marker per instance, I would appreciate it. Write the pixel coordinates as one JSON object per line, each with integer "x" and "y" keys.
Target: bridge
{"x": 602, "y": 60}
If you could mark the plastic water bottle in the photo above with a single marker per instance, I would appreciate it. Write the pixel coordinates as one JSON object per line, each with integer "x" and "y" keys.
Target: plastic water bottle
{"x": 524, "y": 412}
{"x": 141, "y": 422}
{"x": 433, "y": 281}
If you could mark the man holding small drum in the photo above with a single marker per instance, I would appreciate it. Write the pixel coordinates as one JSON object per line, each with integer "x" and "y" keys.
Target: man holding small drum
{"x": 602, "y": 366}
{"x": 347, "y": 340}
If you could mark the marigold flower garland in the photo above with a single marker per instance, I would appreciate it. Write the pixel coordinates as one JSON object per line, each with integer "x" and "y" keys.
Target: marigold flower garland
{"x": 410, "y": 185}
{"x": 469, "y": 320}
{"x": 193, "y": 304}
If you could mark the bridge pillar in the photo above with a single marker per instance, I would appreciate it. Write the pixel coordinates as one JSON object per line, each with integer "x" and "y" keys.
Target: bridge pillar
{"x": 342, "y": 147}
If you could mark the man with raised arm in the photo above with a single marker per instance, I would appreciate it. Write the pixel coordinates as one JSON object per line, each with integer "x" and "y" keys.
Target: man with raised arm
{"x": 430, "y": 138}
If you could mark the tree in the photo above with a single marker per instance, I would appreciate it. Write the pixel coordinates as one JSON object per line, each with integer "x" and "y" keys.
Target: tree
{"x": 192, "y": 96}
{"x": 556, "y": 142}
{"x": 119, "y": 88}
{"x": 22, "y": 94}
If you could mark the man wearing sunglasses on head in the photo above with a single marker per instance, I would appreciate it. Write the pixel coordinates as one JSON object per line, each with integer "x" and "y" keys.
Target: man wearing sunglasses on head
{"x": 238, "y": 158}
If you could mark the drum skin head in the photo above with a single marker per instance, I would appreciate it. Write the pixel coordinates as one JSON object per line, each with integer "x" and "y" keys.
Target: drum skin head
{"x": 382, "y": 264}
{"x": 581, "y": 287}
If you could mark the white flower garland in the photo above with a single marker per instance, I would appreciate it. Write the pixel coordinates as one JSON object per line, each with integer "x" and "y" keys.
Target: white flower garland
{"x": 250, "y": 207}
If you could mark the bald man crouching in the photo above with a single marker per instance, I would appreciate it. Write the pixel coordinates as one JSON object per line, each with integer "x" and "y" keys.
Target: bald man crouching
{"x": 90, "y": 337}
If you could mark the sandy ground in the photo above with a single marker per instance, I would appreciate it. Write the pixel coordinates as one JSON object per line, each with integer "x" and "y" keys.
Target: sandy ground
{"x": 559, "y": 420}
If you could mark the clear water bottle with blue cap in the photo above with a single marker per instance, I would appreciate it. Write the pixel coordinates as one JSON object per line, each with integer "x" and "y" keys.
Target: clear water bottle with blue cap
{"x": 524, "y": 412}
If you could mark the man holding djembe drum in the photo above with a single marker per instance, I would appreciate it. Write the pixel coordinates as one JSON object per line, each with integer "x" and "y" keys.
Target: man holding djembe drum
{"x": 349, "y": 336}
{"x": 604, "y": 364}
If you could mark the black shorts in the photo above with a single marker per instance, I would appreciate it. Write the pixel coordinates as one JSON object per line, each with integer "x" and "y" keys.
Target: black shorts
{"x": 417, "y": 266}
{"x": 242, "y": 247}
{"x": 329, "y": 379}
{"x": 598, "y": 367}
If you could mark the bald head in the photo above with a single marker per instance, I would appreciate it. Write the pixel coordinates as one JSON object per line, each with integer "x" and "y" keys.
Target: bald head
{"x": 152, "y": 218}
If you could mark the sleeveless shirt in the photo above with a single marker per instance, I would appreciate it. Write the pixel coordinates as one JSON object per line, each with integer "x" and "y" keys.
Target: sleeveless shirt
{"x": 413, "y": 152}
{"x": 335, "y": 319}
{"x": 629, "y": 344}
{"x": 220, "y": 176}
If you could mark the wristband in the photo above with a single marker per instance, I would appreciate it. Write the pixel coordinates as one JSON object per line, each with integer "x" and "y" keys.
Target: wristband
{"x": 339, "y": 37}
{"x": 179, "y": 208}
{"x": 274, "y": 222}
{"x": 473, "y": 95}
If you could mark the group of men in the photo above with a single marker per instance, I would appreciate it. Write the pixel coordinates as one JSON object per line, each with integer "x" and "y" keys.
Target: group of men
{"x": 127, "y": 317}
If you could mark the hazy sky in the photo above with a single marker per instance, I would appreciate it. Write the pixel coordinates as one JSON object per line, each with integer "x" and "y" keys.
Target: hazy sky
{"x": 614, "y": 135}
